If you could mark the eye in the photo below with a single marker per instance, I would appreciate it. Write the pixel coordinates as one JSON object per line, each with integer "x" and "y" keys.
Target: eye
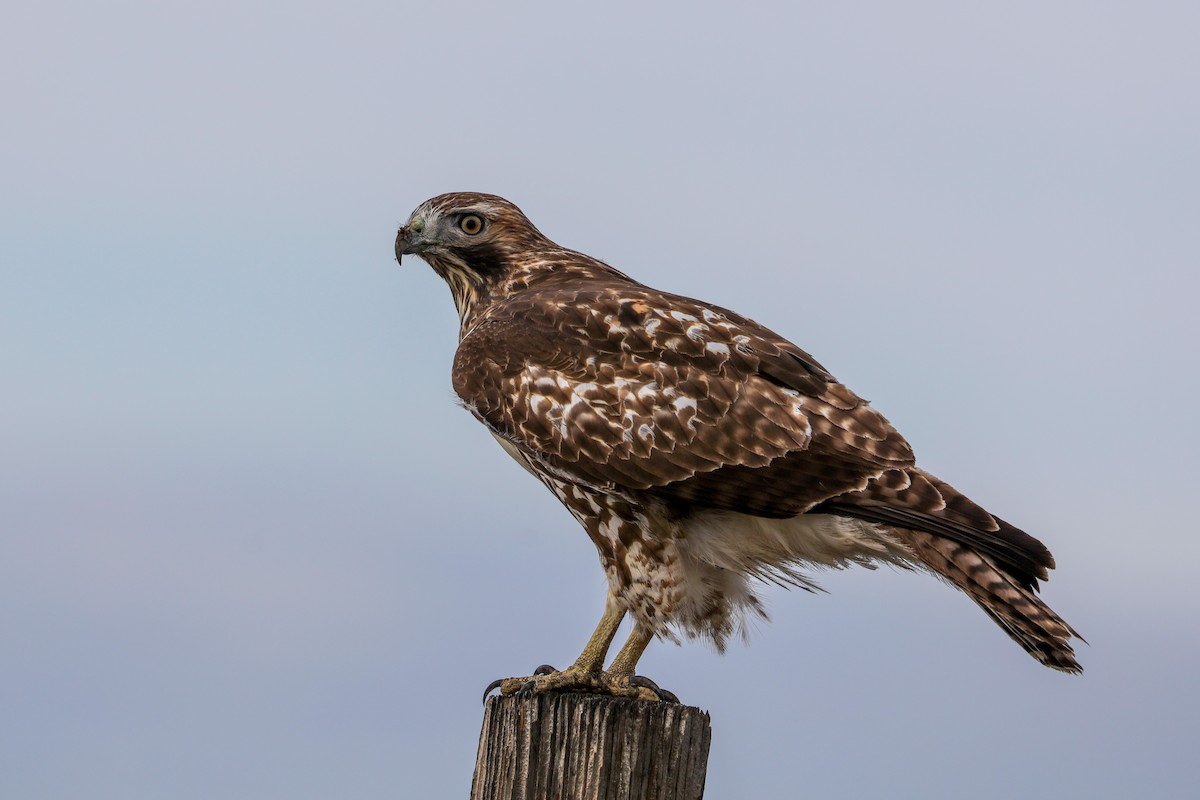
{"x": 471, "y": 224}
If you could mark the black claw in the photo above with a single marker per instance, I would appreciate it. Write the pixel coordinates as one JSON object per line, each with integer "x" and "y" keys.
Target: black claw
{"x": 490, "y": 687}
{"x": 645, "y": 683}
{"x": 544, "y": 669}
{"x": 526, "y": 690}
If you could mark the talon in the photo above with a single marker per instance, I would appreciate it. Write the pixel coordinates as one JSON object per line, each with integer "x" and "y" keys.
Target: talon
{"x": 643, "y": 682}
{"x": 526, "y": 690}
{"x": 490, "y": 688}
{"x": 544, "y": 669}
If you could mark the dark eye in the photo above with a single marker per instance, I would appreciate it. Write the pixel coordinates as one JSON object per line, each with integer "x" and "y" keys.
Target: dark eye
{"x": 471, "y": 224}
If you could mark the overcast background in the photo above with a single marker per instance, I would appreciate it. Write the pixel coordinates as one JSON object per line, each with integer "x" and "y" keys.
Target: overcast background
{"x": 249, "y": 546}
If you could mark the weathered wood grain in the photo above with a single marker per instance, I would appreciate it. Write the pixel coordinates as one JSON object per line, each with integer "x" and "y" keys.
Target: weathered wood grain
{"x": 563, "y": 746}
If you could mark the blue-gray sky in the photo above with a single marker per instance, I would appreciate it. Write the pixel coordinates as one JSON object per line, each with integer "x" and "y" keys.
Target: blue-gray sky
{"x": 250, "y": 548}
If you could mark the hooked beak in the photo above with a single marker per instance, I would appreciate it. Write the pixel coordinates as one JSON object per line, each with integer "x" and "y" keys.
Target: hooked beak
{"x": 404, "y": 243}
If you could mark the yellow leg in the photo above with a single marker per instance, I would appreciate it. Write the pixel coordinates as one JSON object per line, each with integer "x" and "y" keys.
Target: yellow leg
{"x": 626, "y": 660}
{"x": 587, "y": 673}
{"x": 592, "y": 657}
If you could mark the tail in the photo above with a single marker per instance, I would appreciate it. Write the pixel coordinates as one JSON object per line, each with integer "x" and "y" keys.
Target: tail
{"x": 1021, "y": 613}
{"x": 996, "y": 564}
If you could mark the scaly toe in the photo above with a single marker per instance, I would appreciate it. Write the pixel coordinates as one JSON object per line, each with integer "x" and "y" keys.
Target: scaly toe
{"x": 576, "y": 679}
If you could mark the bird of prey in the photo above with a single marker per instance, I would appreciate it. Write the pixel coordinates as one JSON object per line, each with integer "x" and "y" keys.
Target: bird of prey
{"x": 702, "y": 453}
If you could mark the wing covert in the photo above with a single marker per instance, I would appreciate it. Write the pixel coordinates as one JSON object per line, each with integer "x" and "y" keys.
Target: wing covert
{"x": 640, "y": 390}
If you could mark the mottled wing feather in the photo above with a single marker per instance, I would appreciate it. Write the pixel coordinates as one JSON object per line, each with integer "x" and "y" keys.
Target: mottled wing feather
{"x": 634, "y": 389}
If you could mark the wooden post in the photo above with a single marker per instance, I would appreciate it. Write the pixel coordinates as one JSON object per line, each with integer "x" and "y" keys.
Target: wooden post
{"x": 566, "y": 746}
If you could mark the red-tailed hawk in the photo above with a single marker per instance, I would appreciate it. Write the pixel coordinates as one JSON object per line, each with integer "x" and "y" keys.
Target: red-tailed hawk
{"x": 699, "y": 450}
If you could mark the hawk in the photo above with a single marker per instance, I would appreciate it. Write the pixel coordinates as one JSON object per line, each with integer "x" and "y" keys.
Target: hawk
{"x": 703, "y": 453}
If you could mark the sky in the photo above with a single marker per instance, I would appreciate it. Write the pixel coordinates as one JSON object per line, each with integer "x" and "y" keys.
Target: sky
{"x": 251, "y": 548}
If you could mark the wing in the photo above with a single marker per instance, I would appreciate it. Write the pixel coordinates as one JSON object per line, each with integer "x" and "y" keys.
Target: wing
{"x": 626, "y": 388}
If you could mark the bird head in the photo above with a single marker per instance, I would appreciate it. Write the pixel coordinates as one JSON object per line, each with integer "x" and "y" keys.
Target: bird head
{"x": 472, "y": 240}
{"x": 467, "y": 235}
{"x": 483, "y": 247}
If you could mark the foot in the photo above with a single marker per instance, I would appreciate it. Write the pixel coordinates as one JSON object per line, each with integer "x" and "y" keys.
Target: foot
{"x": 577, "y": 679}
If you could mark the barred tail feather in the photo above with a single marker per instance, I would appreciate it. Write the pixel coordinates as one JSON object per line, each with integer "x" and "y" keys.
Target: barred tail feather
{"x": 1023, "y": 616}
